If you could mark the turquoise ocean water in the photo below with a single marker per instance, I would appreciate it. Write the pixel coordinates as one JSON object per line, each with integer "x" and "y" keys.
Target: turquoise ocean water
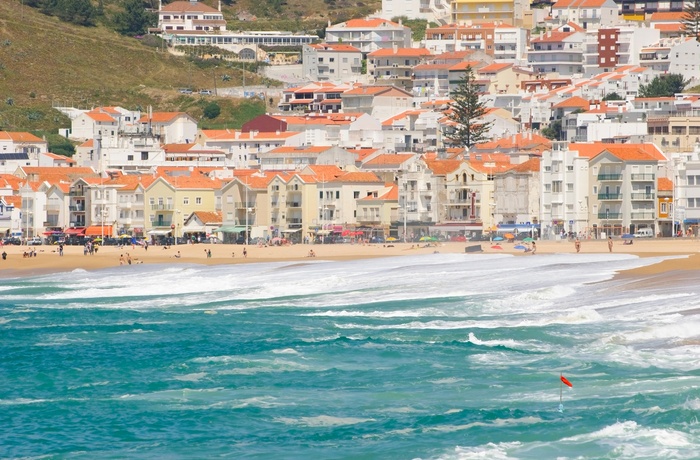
{"x": 443, "y": 356}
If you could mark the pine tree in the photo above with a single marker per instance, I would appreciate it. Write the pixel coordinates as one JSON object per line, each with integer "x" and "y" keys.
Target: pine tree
{"x": 466, "y": 112}
{"x": 691, "y": 19}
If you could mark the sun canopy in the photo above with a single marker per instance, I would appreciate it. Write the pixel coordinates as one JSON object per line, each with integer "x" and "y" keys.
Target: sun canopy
{"x": 229, "y": 229}
{"x": 159, "y": 232}
{"x": 98, "y": 230}
{"x": 75, "y": 231}
{"x": 291, "y": 230}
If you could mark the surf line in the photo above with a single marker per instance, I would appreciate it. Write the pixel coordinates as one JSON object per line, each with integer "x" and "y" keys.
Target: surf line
{"x": 563, "y": 381}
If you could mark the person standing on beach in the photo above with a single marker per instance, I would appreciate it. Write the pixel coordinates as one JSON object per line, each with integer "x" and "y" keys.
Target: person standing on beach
{"x": 245, "y": 253}
{"x": 60, "y": 249}
{"x": 577, "y": 245}
{"x": 534, "y": 248}
{"x": 610, "y": 243}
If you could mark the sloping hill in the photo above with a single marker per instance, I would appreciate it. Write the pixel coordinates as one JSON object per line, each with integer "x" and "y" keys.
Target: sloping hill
{"x": 44, "y": 61}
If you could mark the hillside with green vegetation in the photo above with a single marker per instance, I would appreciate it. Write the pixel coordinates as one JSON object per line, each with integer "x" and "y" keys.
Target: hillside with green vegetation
{"x": 45, "y": 62}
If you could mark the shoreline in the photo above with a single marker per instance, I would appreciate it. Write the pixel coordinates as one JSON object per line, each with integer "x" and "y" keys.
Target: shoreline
{"x": 48, "y": 261}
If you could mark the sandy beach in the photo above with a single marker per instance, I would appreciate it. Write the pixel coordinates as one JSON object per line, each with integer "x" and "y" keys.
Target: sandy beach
{"x": 47, "y": 259}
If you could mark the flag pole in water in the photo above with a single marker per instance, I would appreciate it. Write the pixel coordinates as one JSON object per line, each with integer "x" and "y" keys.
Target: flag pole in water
{"x": 562, "y": 381}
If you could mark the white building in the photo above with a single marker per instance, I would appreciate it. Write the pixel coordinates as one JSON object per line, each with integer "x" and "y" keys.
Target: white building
{"x": 673, "y": 55}
{"x": 369, "y": 34}
{"x": 589, "y": 14}
{"x": 431, "y": 10}
{"x": 558, "y": 52}
{"x": 331, "y": 61}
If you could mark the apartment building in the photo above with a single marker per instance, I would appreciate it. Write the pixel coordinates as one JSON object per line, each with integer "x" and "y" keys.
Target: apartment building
{"x": 676, "y": 55}
{"x": 608, "y": 48}
{"x": 395, "y": 65}
{"x": 558, "y": 52}
{"x": 369, "y": 34}
{"x": 331, "y": 61}
{"x": 474, "y": 11}
{"x": 589, "y": 14}
{"x": 499, "y": 40}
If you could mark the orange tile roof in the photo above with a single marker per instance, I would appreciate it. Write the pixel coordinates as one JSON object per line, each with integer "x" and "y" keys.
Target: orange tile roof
{"x": 389, "y": 159}
{"x": 495, "y": 67}
{"x": 665, "y": 184}
{"x": 357, "y": 176}
{"x": 531, "y": 165}
{"x": 161, "y": 117}
{"x": 675, "y": 16}
{"x": 209, "y": 217}
{"x": 20, "y": 136}
{"x": 188, "y": 7}
{"x": 370, "y": 23}
{"x": 669, "y": 27}
{"x": 627, "y": 152}
{"x": 403, "y": 52}
{"x": 442, "y": 167}
{"x": 551, "y": 37}
{"x": 14, "y": 200}
{"x": 101, "y": 117}
{"x": 337, "y": 47}
{"x": 326, "y": 172}
{"x": 573, "y": 102}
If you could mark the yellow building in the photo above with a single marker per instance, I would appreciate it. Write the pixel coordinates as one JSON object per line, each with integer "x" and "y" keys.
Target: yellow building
{"x": 170, "y": 200}
{"x": 476, "y": 11}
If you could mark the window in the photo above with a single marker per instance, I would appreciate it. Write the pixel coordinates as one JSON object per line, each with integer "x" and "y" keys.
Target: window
{"x": 229, "y": 199}
{"x": 556, "y": 186}
{"x": 144, "y": 156}
{"x": 130, "y": 158}
{"x": 331, "y": 59}
{"x": 198, "y": 200}
{"x": 570, "y": 168}
{"x": 664, "y": 208}
{"x": 337, "y": 194}
{"x": 569, "y": 187}
{"x": 356, "y": 195}
{"x": 691, "y": 180}
{"x": 186, "y": 201}
{"x": 547, "y": 187}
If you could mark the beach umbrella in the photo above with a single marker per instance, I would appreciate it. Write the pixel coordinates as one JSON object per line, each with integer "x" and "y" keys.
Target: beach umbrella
{"x": 428, "y": 238}
{"x": 627, "y": 236}
{"x": 391, "y": 238}
{"x": 495, "y": 246}
{"x": 528, "y": 240}
{"x": 519, "y": 246}
{"x": 125, "y": 236}
{"x": 509, "y": 236}
{"x": 498, "y": 238}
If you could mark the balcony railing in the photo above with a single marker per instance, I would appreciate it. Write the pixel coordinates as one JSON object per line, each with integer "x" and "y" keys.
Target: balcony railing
{"x": 293, "y": 204}
{"x": 643, "y": 196}
{"x": 76, "y": 193}
{"x": 647, "y": 215}
{"x": 161, "y": 207}
{"x": 610, "y": 215}
{"x": 644, "y": 177}
{"x": 161, "y": 223}
{"x": 610, "y": 196}
{"x": 243, "y": 204}
{"x": 76, "y": 208}
{"x": 610, "y": 177}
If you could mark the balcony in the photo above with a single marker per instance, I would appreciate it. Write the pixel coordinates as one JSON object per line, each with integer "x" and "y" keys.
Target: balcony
{"x": 610, "y": 215}
{"x": 645, "y": 215}
{"x": 610, "y": 177}
{"x": 643, "y": 177}
{"x": 643, "y": 196}
{"x": 162, "y": 207}
{"x": 244, "y": 205}
{"x": 76, "y": 193}
{"x": 610, "y": 196}
{"x": 161, "y": 223}
{"x": 76, "y": 208}
{"x": 293, "y": 204}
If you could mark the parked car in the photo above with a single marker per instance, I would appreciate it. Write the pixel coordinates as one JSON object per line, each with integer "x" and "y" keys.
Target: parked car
{"x": 12, "y": 240}
{"x": 644, "y": 233}
{"x": 377, "y": 239}
{"x": 35, "y": 241}
{"x": 185, "y": 91}
{"x": 205, "y": 92}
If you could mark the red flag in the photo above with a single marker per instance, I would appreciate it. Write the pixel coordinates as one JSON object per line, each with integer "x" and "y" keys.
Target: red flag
{"x": 566, "y": 382}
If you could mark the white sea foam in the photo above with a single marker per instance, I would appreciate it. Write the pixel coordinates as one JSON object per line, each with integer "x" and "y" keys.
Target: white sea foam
{"x": 323, "y": 421}
{"x": 195, "y": 377}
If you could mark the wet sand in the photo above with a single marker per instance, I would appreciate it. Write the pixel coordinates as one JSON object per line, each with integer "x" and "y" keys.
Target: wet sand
{"x": 48, "y": 260}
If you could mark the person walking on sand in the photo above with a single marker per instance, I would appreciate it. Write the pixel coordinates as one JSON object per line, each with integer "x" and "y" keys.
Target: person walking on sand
{"x": 610, "y": 243}
{"x": 577, "y": 245}
{"x": 534, "y": 248}
{"x": 245, "y": 253}
{"x": 121, "y": 259}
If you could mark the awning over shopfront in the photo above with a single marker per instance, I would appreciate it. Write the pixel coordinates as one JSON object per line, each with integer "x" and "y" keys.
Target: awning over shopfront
{"x": 229, "y": 229}
{"x": 75, "y": 231}
{"x": 194, "y": 229}
{"x": 159, "y": 232}
{"x": 97, "y": 230}
{"x": 291, "y": 230}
